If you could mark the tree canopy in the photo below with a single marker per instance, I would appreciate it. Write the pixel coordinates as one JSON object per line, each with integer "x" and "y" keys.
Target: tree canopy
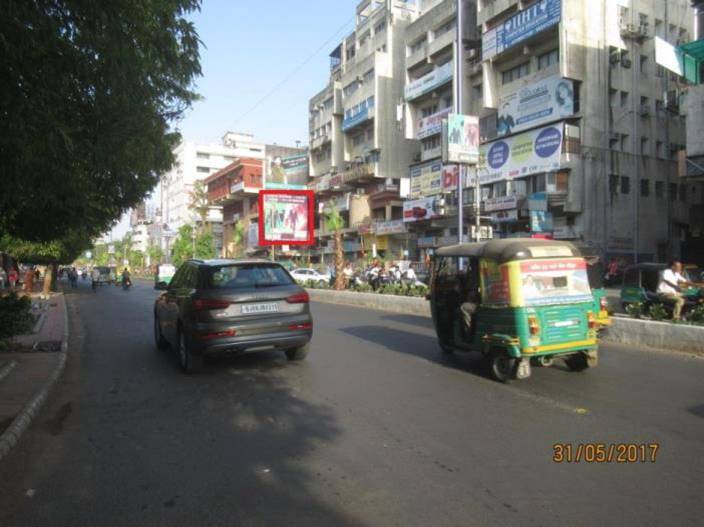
{"x": 88, "y": 96}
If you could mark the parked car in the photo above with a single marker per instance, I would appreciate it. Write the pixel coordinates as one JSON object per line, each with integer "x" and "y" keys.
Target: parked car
{"x": 214, "y": 307}
{"x": 305, "y": 274}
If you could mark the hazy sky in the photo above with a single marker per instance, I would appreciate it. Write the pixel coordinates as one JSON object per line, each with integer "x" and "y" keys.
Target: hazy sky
{"x": 250, "y": 48}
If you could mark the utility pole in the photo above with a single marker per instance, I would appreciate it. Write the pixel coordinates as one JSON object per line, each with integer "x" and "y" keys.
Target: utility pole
{"x": 458, "y": 110}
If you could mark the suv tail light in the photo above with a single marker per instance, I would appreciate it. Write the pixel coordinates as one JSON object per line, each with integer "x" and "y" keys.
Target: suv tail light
{"x": 299, "y": 298}
{"x": 533, "y": 325}
{"x": 202, "y": 304}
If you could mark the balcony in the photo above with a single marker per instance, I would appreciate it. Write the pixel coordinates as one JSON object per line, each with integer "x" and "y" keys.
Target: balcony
{"x": 488, "y": 10}
{"x": 417, "y": 57}
{"x": 431, "y": 153}
{"x": 428, "y": 83}
{"x": 320, "y": 141}
{"x": 384, "y": 192}
{"x": 363, "y": 115}
{"x": 441, "y": 43}
{"x": 357, "y": 173}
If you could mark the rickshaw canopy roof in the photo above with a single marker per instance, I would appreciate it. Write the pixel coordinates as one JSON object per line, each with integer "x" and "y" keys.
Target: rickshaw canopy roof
{"x": 510, "y": 249}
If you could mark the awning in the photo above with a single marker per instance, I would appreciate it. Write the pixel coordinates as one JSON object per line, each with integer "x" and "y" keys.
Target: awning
{"x": 693, "y": 56}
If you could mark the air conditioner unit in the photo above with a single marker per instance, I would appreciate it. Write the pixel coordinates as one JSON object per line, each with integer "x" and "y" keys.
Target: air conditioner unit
{"x": 359, "y": 79}
{"x": 626, "y": 63}
{"x": 614, "y": 136}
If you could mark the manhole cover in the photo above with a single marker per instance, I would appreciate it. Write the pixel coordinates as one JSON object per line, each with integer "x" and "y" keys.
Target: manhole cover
{"x": 48, "y": 345}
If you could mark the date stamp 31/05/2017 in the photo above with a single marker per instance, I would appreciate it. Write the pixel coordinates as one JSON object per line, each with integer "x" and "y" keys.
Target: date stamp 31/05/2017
{"x": 605, "y": 452}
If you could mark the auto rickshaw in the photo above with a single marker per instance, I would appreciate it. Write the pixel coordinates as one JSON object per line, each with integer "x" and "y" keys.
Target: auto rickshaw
{"x": 518, "y": 301}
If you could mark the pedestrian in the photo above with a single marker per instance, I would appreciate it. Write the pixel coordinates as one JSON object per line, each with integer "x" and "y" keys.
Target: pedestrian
{"x": 3, "y": 277}
{"x": 28, "y": 285}
{"x": 95, "y": 276}
{"x": 349, "y": 273}
{"x": 73, "y": 277}
{"x": 37, "y": 275}
{"x": 671, "y": 281}
{"x": 13, "y": 276}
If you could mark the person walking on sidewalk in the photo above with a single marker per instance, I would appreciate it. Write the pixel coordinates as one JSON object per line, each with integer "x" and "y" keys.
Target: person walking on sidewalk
{"x": 3, "y": 277}
{"x": 13, "y": 276}
{"x": 671, "y": 281}
{"x": 94, "y": 276}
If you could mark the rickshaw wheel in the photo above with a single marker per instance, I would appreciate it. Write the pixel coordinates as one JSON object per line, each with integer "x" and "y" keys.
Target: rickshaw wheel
{"x": 446, "y": 349}
{"x": 503, "y": 367}
{"x": 580, "y": 361}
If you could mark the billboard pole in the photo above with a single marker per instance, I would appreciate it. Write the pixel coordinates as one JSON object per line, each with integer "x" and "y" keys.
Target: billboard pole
{"x": 458, "y": 110}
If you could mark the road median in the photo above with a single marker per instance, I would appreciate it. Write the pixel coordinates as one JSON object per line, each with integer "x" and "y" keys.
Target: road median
{"x": 624, "y": 330}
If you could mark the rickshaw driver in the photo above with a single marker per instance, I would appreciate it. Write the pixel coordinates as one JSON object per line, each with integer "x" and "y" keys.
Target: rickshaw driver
{"x": 472, "y": 298}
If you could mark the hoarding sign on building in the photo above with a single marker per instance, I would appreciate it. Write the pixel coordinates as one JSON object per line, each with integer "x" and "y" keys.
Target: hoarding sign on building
{"x": 461, "y": 140}
{"x": 535, "y": 104}
{"x": 426, "y": 179}
{"x": 505, "y": 216}
{"x": 532, "y": 20}
{"x": 432, "y": 124}
{"x": 419, "y": 210}
{"x": 669, "y": 57}
{"x": 289, "y": 172}
{"x": 521, "y": 155}
{"x": 540, "y": 221}
{"x": 501, "y": 203}
{"x": 429, "y": 82}
{"x": 538, "y": 201}
{"x": 286, "y": 217}
{"x": 389, "y": 227}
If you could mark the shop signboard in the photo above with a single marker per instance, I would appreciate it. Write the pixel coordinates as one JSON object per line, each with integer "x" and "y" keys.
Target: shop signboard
{"x": 389, "y": 227}
{"x": 460, "y": 141}
{"x": 426, "y": 179}
{"x": 540, "y": 221}
{"x": 504, "y": 216}
{"x": 289, "y": 172}
{"x": 528, "y": 22}
{"x": 286, "y": 217}
{"x": 538, "y": 201}
{"x": 521, "y": 155}
{"x": 429, "y": 82}
{"x": 536, "y": 103}
{"x": 236, "y": 187}
{"x": 501, "y": 203}
{"x": 341, "y": 203}
{"x": 426, "y": 241}
{"x": 432, "y": 124}
{"x": 420, "y": 210}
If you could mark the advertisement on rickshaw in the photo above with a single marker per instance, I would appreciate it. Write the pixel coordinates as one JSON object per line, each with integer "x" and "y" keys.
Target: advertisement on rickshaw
{"x": 496, "y": 283}
{"x": 553, "y": 281}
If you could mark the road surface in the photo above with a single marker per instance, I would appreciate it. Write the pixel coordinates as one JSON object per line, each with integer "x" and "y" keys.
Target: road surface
{"x": 377, "y": 427}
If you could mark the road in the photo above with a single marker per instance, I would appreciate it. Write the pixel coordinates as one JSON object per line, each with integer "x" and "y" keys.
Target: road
{"x": 377, "y": 427}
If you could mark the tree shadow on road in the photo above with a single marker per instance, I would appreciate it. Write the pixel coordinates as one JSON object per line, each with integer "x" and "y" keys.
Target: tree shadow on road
{"x": 419, "y": 345}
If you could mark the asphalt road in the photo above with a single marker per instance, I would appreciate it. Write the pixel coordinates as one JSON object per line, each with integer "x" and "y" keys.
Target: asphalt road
{"x": 377, "y": 427}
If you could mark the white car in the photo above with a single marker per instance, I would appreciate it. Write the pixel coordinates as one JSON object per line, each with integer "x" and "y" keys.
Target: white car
{"x": 305, "y": 274}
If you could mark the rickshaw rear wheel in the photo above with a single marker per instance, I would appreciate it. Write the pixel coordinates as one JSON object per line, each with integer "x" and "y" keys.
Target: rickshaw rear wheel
{"x": 446, "y": 348}
{"x": 502, "y": 366}
{"x": 582, "y": 360}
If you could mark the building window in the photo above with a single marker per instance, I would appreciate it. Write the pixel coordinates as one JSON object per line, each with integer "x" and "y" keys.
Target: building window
{"x": 368, "y": 76}
{"x": 673, "y": 191}
{"x": 614, "y": 142}
{"x": 624, "y": 99}
{"x": 645, "y": 188}
{"x": 350, "y": 88}
{"x": 515, "y": 73}
{"x": 624, "y": 142}
{"x": 613, "y": 184}
{"x": 644, "y": 146}
{"x": 431, "y": 143}
{"x": 659, "y": 189}
{"x": 659, "y": 149}
{"x": 660, "y": 71}
{"x": 416, "y": 46}
{"x": 444, "y": 29}
{"x": 202, "y": 155}
{"x": 203, "y": 170}
{"x": 644, "y": 106}
{"x": 548, "y": 59}
{"x": 683, "y": 192}
{"x": 477, "y": 92}
{"x": 358, "y": 139}
{"x": 381, "y": 26}
{"x": 428, "y": 111}
{"x": 328, "y": 103}
{"x": 644, "y": 64}
{"x": 625, "y": 185}
{"x": 613, "y": 97}
{"x": 370, "y": 134}
{"x": 370, "y": 102}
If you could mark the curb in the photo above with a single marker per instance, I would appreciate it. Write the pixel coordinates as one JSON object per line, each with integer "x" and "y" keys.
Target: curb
{"x": 19, "y": 425}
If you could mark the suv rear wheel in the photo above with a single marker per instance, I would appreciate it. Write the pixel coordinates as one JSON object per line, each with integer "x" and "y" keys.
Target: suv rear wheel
{"x": 189, "y": 363}
{"x": 158, "y": 336}
{"x": 298, "y": 353}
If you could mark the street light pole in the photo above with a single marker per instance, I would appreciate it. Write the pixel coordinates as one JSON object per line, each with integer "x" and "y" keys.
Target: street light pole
{"x": 458, "y": 110}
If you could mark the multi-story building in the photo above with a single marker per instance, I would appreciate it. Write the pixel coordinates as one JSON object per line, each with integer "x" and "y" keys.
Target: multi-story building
{"x": 587, "y": 124}
{"x": 359, "y": 154}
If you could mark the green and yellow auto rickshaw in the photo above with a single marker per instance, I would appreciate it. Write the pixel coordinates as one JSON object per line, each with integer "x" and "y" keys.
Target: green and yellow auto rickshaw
{"x": 518, "y": 301}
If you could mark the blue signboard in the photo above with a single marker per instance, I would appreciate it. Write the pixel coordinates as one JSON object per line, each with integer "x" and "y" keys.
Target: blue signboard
{"x": 540, "y": 221}
{"x": 354, "y": 120}
{"x": 530, "y": 21}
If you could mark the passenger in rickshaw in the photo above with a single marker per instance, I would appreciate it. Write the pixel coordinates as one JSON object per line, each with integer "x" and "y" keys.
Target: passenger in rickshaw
{"x": 471, "y": 298}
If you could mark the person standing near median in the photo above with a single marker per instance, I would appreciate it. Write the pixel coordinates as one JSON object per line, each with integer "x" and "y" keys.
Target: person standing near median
{"x": 671, "y": 280}
{"x": 12, "y": 277}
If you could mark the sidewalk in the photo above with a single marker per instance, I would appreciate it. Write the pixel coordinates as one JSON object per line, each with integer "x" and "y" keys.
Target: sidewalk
{"x": 30, "y": 368}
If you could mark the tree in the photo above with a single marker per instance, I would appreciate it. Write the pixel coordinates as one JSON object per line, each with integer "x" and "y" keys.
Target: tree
{"x": 200, "y": 203}
{"x": 88, "y": 98}
{"x": 335, "y": 222}
{"x": 155, "y": 254}
{"x": 183, "y": 246}
{"x": 238, "y": 238}
{"x": 136, "y": 258}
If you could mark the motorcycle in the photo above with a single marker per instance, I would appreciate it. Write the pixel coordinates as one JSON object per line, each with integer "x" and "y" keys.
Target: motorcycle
{"x": 126, "y": 284}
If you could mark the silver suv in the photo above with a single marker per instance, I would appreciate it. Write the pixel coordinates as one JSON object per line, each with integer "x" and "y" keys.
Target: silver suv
{"x": 214, "y": 307}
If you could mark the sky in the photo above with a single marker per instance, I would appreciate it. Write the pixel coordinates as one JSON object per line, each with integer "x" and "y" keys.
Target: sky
{"x": 251, "y": 48}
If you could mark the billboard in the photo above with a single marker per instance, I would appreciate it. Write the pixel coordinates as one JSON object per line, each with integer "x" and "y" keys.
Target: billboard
{"x": 460, "y": 140}
{"x": 420, "y": 210}
{"x": 524, "y": 154}
{"x": 290, "y": 172}
{"x": 535, "y": 104}
{"x": 526, "y": 23}
{"x": 431, "y": 125}
{"x": 286, "y": 217}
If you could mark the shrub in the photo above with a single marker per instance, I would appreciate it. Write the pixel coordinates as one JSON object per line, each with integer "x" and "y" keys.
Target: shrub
{"x": 15, "y": 316}
{"x": 635, "y": 310}
{"x": 657, "y": 312}
{"x": 696, "y": 316}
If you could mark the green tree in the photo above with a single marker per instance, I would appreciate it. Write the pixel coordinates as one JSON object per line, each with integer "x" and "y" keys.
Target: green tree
{"x": 155, "y": 254}
{"x": 334, "y": 223}
{"x": 136, "y": 258}
{"x": 89, "y": 95}
{"x": 238, "y": 238}
{"x": 200, "y": 204}
{"x": 184, "y": 245}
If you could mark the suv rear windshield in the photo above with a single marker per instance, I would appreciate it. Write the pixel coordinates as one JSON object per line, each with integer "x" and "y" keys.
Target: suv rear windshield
{"x": 241, "y": 276}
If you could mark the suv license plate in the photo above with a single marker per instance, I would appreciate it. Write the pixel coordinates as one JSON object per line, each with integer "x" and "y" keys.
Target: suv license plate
{"x": 250, "y": 309}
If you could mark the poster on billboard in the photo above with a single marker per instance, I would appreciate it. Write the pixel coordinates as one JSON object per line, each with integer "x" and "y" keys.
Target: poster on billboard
{"x": 521, "y": 155}
{"x": 286, "y": 217}
{"x": 554, "y": 281}
{"x": 535, "y": 104}
{"x": 432, "y": 124}
{"x": 290, "y": 172}
{"x": 460, "y": 141}
{"x": 420, "y": 210}
{"x": 528, "y": 22}
{"x": 540, "y": 221}
{"x": 426, "y": 179}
